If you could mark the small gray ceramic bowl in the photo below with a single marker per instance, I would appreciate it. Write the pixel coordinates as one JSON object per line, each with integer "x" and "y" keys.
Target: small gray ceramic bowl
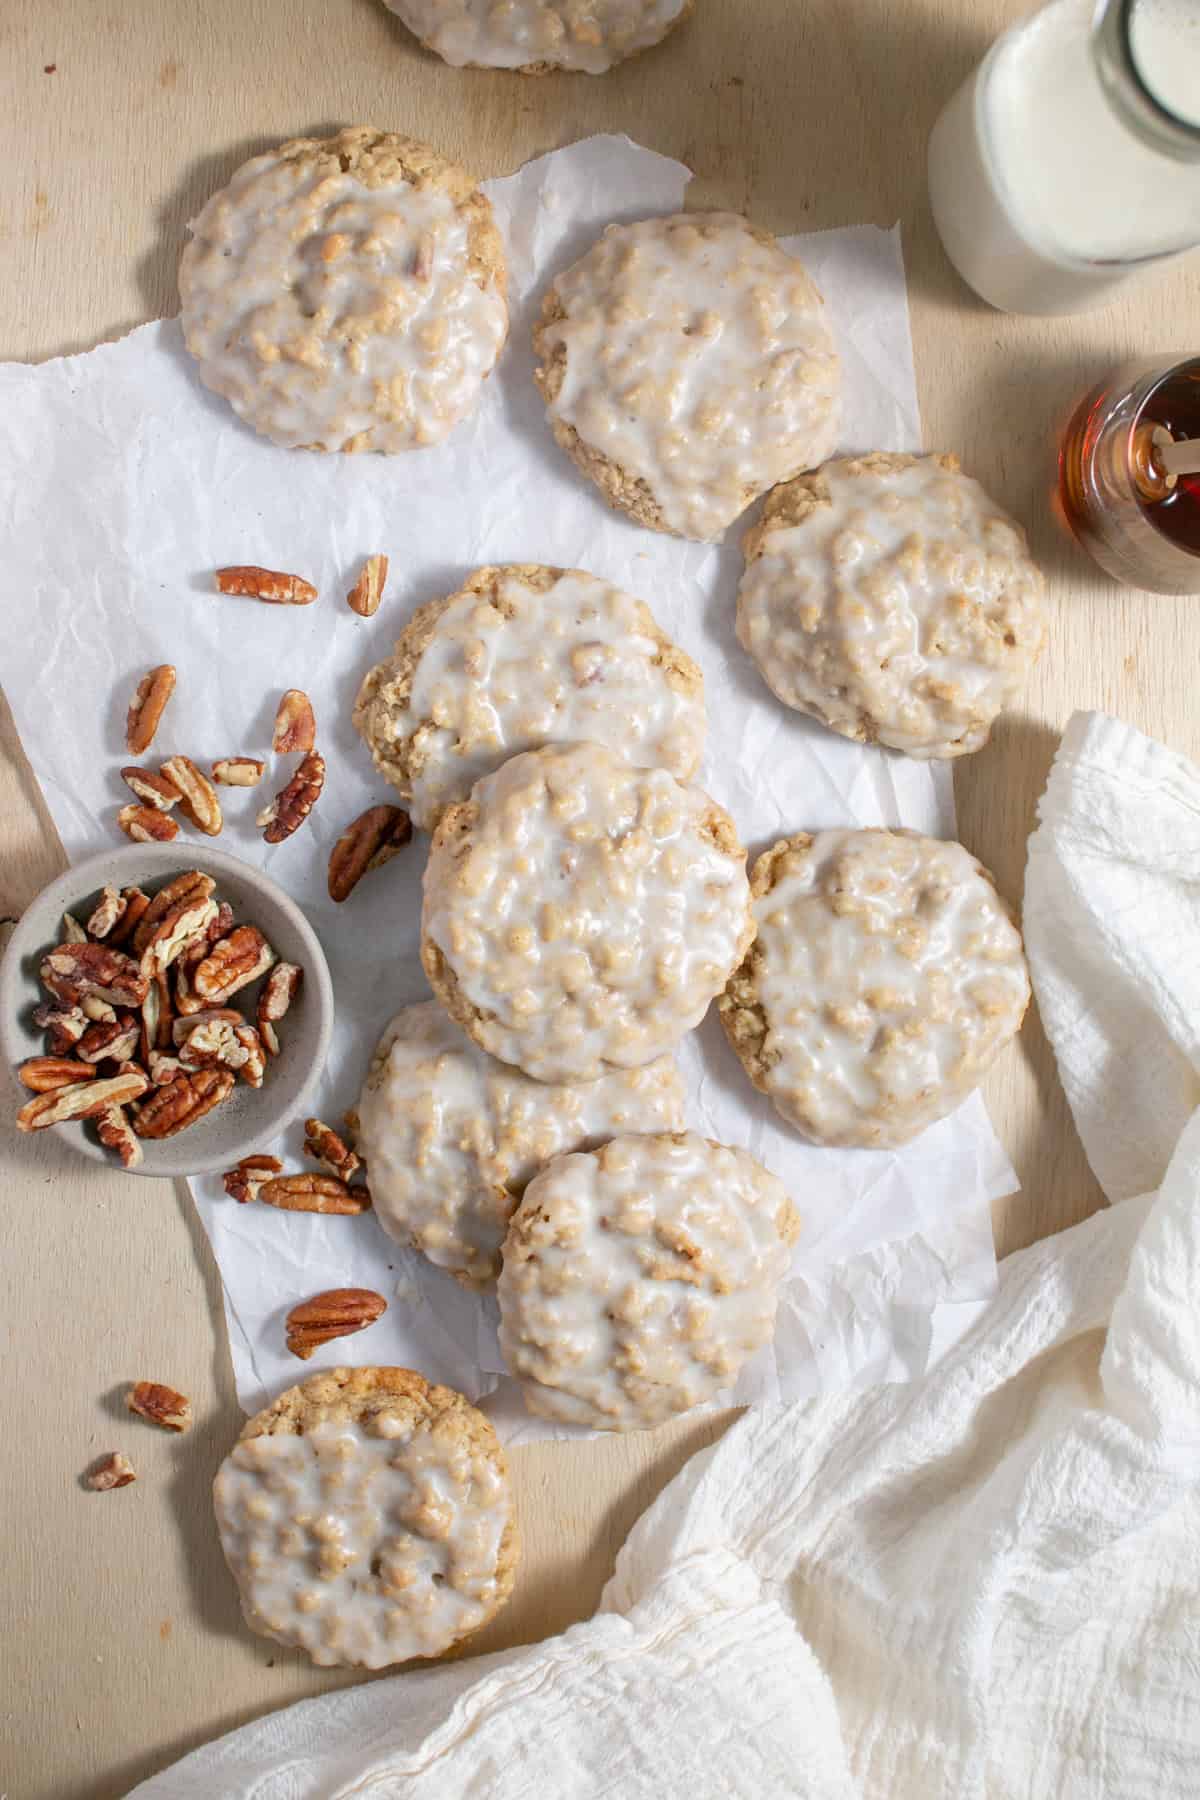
{"x": 251, "y": 1117}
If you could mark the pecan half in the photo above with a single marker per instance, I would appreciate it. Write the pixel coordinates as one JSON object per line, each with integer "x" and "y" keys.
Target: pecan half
{"x": 336, "y": 1313}
{"x": 147, "y": 825}
{"x": 367, "y": 592}
{"x": 83, "y": 1100}
{"x": 109, "y": 911}
{"x": 180, "y": 928}
{"x": 136, "y": 903}
{"x": 149, "y": 788}
{"x": 295, "y": 723}
{"x": 218, "y": 1042}
{"x": 313, "y": 1193}
{"x": 335, "y": 1156}
{"x": 118, "y": 1039}
{"x": 181, "y": 1103}
{"x": 238, "y": 771}
{"x": 116, "y": 1133}
{"x": 197, "y": 796}
{"x": 270, "y": 585}
{"x": 162, "y": 1405}
{"x": 42, "y": 1074}
{"x": 372, "y": 840}
{"x": 112, "y": 1471}
{"x": 146, "y": 708}
{"x": 277, "y": 994}
{"x": 243, "y": 1182}
{"x": 292, "y": 805}
{"x": 190, "y": 885}
{"x": 230, "y": 965}
{"x": 182, "y": 1029}
{"x": 75, "y": 971}
{"x": 65, "y": 1025}
{"x": 72, "y": 930}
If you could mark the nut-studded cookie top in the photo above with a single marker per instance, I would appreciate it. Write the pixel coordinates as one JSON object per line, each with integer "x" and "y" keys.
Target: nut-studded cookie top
{"x": 638, "y": 1279}
{"x": 536, "y": 35}
{"x": 346, "y": 294}
{"x": 452, "y": 1136}
{"x": 885, "y": 978}
{"x": 366, "y": 1518}
{"x": 523, "y": 656}
{"x": 580, "y": 914}
{"x": 887, "y": 596}
{"x": 687, "y": 366}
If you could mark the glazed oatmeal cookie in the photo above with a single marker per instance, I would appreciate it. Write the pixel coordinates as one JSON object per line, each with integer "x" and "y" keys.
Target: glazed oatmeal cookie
{"x": 536, "y": 36}
{"x": 519, "y": 657}
{"x": 366, "y": 1518}
{"x": 885, "y": 978}
{"x": 346, "y": 293}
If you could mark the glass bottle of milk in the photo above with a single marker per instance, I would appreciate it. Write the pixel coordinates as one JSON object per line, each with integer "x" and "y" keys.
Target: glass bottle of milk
{"x": 1071, "y": 157}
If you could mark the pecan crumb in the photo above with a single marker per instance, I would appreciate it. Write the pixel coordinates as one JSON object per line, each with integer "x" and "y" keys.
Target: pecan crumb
{"x": 271, "y": 585}
{"x": 367, "y": 592}
{"x": 161, "y": 1405}
{"x": 112, "y": 1471}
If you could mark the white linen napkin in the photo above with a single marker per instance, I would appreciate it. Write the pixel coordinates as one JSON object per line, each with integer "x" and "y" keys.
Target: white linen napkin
{"x": 987, "y": 1583}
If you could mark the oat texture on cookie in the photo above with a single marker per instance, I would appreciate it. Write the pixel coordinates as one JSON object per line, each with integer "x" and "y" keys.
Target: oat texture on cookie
{"x": 580, "y": 914}
{"x": 452, "y": 1137}
{"x": 890, "y": 598}
{"x": 366, "y": 1518}
{"x": 885, "y": 978}
{"x": 687, "y": 366}
{"x": 639, "y": 1278}
{"x": 522, "y": 656}
{"x": 536, "y": 36}
{"x": 346, "y": 293}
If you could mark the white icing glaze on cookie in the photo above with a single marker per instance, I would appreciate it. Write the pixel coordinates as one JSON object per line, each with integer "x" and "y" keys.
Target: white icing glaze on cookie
{"x": 637, "y": 1280}
{"x": 452, "y": 1137}
{"x": 334, "y": 315}
{"x": 904, "y": 609}
{"x": 363, "y": 1543}
{"x": 587, "y": 35}
{"x": 588, "y": 915}
{"x": 698, "y": 360}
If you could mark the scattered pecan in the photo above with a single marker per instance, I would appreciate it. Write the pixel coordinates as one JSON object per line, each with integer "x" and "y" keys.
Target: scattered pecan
{"x": 337, "y": 1313}
{"x": 109, "y": 911}
{"x": 180, "y": 928}
{"x": 136, "y": 903}
{"x": 367, "y": 592}
{"x": 147, "y": 825}
{"x": 232, "y": 964}
{"x": 65, "y": 1025}
{"x": 118, "y": 1039}
{"x": 146, "y": 708}
{"x": 270, "y": 585}
{"x": 72, "y": 930}
{"x": 313, "y": 1193}
{"x": 162, "y": 1405}
{"x": 181, "y": 1103}
{"x": 335, "y": 1156}
{"x": 295, "y": 723}
{"x": 43, "y": 1074}
{"x": 278, "y": 992}
{"x": 218, "y": 1042}
{"x": 116, "y": 1133}
{"x": 112, "y": 1471}
{"x": 151, "y": 789}
{"x": 243, "y": 1182}
{"x": 190, "y": 885}
{"x": 239, "y": 771}
{"x": 83, "y": 1100}
{"x": 197, "y": 796}
{"x": 372, "y": 840}
{"x": 292, "y": 805}
{"x": 73, "y": 972}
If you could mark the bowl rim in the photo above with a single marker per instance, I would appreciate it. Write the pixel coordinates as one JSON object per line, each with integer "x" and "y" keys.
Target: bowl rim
{"x": 85, "y": 877}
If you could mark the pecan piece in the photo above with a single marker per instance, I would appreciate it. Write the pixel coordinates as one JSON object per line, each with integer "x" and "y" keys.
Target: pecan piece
{"x": 367, "y": 592}
{"x": 190, "y": 885}
{"x": 313, "y": 1193}
{"x": 146, "y": 708}
{"x": 243, "y": 1182}
{"x": 151, "y": 789}
{"x": 112, "y": 1471}
{"x": 197, "y": 796}
{"x": 72, "y": 930}
{"x": 336, "y": 1313}
{"x": 83, "y": 1100}
{"x": 159, "y": 1404}
{"x": 231, "y": 964}
{"x": 163, "y": 1068}
{"x": 181, "y": 1103}
{"x": 372, "y": 840}
{"x": 117, "y": 1039}
{"x": 179, "y": 929}
{"x": 335, "y": 1156}
{"x": 157, "y": 1016}
{"x": 271, "y": 585}
{"x": 73, "y": 972}
{"x": 295, "y": 723}
{"x": 109, "y": 911}
{"x": 98, "y": 1011}
{"x": 65, "y": 1025}
{"x": 292, "y": 805}
{"x": 116, "y": 1133}
{"x": 136, "y": 903}
{"x": 217, "y": 1042}
{"x": 43, "y": 1074}
{"x": 239, "y": 771}
{"x": 147, "y": 825}
{"x": 182, "y": 1029}
{"x": 278, "y": 992}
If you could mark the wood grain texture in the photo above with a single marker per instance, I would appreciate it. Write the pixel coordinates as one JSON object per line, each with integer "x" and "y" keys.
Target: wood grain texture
{"x": 123, "y": 1645}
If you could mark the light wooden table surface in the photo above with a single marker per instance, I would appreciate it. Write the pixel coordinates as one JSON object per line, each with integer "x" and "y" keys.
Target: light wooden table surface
{"x": 122, "y": 1645}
